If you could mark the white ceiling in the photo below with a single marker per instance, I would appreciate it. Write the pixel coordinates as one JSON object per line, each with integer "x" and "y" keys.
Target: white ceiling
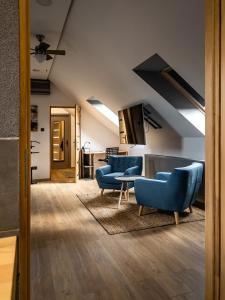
{"x": 47, "y": 20}
{"x": 105, "y": 40}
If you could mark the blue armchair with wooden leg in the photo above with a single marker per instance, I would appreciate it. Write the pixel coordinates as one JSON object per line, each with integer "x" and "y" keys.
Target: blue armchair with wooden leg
{"x": 118, "y": 166}
{"x": 173, "y": 192}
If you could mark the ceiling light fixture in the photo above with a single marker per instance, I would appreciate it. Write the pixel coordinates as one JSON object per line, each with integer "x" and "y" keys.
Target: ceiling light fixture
{"x": 40, "y": 58}
{"x": 44, "y": 2}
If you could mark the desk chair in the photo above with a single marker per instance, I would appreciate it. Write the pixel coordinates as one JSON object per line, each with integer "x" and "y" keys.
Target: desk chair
{"x": 110, "y": 151}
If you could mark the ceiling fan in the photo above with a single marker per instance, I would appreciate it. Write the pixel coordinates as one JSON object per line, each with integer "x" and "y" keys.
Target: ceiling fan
{"x": 42, "y": 52}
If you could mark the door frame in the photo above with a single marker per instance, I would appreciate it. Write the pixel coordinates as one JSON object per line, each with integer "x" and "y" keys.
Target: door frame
{"x": 215, "y": 151}
{"x": 215, "y": 158}
{"x": 58, "y": 106}
{"x": 24, "y": 147}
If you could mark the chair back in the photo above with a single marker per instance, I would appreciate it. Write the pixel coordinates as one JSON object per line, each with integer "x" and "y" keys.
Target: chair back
{"x": 122, "y": 163}
{"x": 184, "y": 184}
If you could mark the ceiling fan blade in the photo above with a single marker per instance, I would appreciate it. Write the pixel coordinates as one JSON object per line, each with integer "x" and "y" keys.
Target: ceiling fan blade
{"x": 48, "y": 57}
{"x": 32, "y": 53}
{"x": 56, "y": 52}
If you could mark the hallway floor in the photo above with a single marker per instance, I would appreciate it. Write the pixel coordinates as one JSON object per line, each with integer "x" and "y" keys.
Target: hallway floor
{"x": 72, "y": 257}
{"x": 63, "y": 175}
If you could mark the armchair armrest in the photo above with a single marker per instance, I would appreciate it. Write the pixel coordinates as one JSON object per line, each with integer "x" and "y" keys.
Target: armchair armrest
{"x": 103, "y": 170}
{"x": 162, "y": 175}
{"x": 132, "y": 171}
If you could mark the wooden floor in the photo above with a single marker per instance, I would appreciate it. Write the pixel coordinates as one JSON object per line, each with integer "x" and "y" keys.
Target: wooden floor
{"x": 74, "y": 258}
{"x": 63, "y": 175}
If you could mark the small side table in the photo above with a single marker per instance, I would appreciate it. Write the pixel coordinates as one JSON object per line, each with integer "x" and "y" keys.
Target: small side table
{"x": 125, "y": 180}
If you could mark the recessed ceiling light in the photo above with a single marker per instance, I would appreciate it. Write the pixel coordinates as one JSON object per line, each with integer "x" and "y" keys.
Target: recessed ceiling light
{"x": 44, "y": 2}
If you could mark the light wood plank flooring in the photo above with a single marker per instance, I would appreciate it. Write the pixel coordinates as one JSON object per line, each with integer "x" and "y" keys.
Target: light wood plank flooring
{"x": 74, "y": 258}
{"x": 63, "y": 175}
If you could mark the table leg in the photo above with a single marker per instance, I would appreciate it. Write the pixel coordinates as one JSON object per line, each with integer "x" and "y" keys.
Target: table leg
{"x": 127, "y": 193}
{"x": 121, "y": 194}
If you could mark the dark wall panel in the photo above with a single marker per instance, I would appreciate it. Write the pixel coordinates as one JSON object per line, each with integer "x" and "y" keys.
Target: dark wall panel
{"x": 9, "y": 68}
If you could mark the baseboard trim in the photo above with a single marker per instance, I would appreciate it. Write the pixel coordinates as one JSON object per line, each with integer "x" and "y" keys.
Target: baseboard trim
{"x": 42, "y": 180}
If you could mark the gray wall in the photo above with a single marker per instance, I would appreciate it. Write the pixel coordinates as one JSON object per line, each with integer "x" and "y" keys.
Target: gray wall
{"x": 9, "y": 115}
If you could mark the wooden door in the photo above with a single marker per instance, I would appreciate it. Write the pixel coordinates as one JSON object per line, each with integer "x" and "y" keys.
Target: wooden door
{"x": 77, "y": 141}
{"x": 60, "y": 142}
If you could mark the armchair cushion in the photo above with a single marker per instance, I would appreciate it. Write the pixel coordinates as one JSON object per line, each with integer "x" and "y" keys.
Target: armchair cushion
{"x": 131, "y": 171}
{"x": 111, "y": 177}
{"x": 146, "y": 189}
{"x": 163, "y": 175}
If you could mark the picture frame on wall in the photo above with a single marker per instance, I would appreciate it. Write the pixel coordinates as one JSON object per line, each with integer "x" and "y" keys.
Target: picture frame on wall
{"x": 34, "y": 118}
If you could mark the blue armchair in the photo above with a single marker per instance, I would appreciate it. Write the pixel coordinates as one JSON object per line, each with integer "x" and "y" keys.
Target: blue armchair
{"x": 118, "y": 166}
{"x": 174, "y": 191}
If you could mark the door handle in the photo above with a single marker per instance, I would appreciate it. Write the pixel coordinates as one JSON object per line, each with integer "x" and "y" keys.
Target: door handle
{"x": 62, "y": 146}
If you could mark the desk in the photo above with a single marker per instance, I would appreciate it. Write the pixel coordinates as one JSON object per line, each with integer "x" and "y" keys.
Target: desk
{"x": 7, "y": 267}
{"x": 90, "y": 162}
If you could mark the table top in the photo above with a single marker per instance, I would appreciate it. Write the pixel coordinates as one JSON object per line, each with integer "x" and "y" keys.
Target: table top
{"x": 7, "y": 266}
{"x": 129, "y": 178}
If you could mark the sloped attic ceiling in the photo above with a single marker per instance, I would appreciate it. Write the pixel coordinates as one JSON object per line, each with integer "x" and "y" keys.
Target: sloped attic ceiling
{"x": 106, "y": 39}
{"x": 46, "y": 17}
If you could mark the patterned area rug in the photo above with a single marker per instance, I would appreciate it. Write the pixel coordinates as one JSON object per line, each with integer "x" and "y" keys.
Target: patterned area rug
{"x": 114, "y": 220}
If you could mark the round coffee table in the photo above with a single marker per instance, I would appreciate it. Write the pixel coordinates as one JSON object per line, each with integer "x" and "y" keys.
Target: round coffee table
{"x": 125, "y": 180}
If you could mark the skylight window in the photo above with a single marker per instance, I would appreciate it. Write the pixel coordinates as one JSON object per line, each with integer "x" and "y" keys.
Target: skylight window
{"x": 174, "y": 89}
{"x": 104, "y": 110}
{"x": 184, "y": 88}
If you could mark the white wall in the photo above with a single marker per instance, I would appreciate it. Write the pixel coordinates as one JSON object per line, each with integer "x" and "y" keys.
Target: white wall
{"x": 92, "y": 130}
{"x": 163, "y": 141}
{"x": 166, "y": 141}
{"x": 105, "y": 40}
{"x": 193, "y": 148}
{"x": 169, "y": 144}
{"x": 99, "y": 136}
